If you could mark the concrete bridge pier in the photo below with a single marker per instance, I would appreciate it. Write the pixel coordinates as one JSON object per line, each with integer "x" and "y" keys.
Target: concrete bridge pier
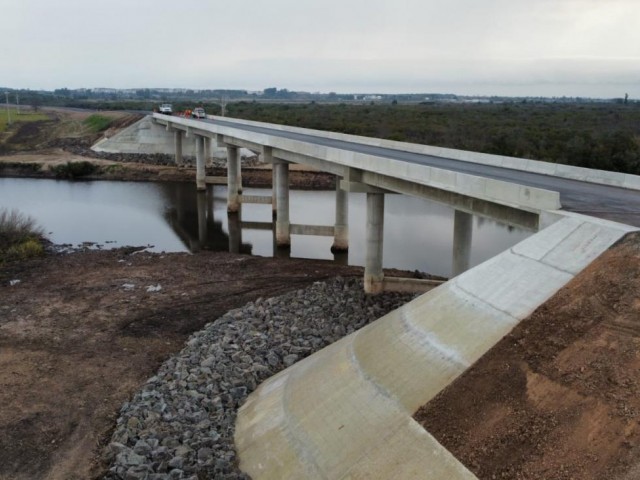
{"x": 235, "y": 231}
{"x": 341, "y": 228}
{"x": 200, "y": 172}
{"x": 201, "y": 201}
{"x": 462, "y": 236}
{"x": 283, "y": 227}
{"x": 233, "y": 179}
{"x": 373, "y": 274}
{"x": 177, "y": 141}
{"x": 267, "y": 157}
{"x": 208, "y": 150}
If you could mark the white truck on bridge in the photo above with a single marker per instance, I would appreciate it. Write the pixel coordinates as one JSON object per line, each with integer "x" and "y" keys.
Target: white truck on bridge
{"x": 166, "y": 109}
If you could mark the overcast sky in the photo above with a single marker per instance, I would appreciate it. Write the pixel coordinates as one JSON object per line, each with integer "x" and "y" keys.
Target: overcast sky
{"x": 502, "y": 47}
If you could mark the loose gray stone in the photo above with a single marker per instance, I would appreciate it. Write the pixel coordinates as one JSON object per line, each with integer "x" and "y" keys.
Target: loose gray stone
{"x": 290, "y": 359}
{"x": 181, "y": 424}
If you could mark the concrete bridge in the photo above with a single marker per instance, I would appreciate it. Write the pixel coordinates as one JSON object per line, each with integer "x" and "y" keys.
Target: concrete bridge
{"x": 346, "y": 411}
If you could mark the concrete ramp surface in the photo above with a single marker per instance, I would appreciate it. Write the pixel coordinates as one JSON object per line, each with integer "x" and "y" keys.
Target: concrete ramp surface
{"x": 346, "y": 411}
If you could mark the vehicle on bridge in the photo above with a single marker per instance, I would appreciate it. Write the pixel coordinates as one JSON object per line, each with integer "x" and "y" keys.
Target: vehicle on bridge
{"x": 166, "y": 109}
{"x": 198, "y": 113}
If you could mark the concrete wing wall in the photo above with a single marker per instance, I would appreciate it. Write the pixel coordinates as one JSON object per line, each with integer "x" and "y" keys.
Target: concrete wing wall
{"x": 345, "y": 412}
{"x": 143, "y": 137}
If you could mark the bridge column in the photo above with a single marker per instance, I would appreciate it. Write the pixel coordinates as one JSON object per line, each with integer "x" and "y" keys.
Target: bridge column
{"x": 283, "y": 234}
{"x": 201, "y": 202}
{"x": 267, "y": 157}
{"x": 373, "y": 274}
{"x": 462, "y": 235}
{"x": 200, "y": 172}
{"x": 177, "y": 136}
{"x": 235, "y": 231}
{"x": 233, "y": 179}
{"x": 341, "y": 228}
{"x": 207, "y": 150}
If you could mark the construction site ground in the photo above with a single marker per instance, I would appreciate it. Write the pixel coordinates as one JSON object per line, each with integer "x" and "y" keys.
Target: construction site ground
{"x": 556, "y": 399}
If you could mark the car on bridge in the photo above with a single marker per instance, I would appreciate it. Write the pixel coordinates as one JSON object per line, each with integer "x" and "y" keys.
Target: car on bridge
{"x": 198, "y": 113}
{"x": 166, "y": 109}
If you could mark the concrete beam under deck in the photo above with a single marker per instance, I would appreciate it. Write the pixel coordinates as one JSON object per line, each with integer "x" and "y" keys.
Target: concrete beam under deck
{"x": 318, "y": 230}
{"x": 238, "y": 142}
{"x": 494, "y": 211}
{"x": 322, "y": 165}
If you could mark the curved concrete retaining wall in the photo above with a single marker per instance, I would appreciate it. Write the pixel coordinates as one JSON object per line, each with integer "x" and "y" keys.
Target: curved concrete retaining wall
{"x": 624, "y": 180}
{"x": 345, "y": 412}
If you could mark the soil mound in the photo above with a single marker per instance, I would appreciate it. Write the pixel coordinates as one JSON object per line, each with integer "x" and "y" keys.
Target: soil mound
{"x": 558, "y": 398}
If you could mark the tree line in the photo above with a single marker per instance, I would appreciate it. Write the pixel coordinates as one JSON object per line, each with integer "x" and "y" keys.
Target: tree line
{"x": 601, "y": 136}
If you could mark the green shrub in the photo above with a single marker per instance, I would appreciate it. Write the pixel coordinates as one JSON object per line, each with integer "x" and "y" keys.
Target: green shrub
{"x": 23, "y": 167}
{"x": 20, "y": 237}
{"x": 98, "y": 123}
{"x": 71, "y": 170}
{"x": 28, "y": 249}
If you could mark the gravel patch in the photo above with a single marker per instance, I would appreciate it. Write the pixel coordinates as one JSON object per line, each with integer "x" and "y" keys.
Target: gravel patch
{"x": 180, "y": 425}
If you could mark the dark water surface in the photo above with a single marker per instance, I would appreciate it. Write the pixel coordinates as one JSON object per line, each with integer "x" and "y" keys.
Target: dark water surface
{"x": 173, "y": 217}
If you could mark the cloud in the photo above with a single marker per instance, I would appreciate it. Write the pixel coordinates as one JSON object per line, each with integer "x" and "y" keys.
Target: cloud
{"x": 329, "y": 46}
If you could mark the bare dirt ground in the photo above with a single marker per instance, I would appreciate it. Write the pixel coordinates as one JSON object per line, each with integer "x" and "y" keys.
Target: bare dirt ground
{"x": 80, "y": 333}
{"x": 559, "y": 397}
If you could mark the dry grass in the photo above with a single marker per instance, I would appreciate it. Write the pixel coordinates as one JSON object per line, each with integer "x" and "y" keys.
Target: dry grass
{"x": 20, "y": 236}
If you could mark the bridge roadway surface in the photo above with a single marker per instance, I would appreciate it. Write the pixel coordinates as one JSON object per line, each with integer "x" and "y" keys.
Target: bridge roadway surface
{"x": 603, "y": 201}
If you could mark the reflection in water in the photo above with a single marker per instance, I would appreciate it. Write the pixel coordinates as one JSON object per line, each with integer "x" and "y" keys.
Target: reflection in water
{"x": 174, "y": 217}
{"x": 191, "y": 216}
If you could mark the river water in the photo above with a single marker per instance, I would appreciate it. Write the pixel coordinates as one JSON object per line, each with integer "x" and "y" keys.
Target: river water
{"x": 173, "y": 217}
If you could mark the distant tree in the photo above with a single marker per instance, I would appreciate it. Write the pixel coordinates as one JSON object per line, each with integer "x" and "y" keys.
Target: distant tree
{"x": 62, "y": 92}
{"x": 35, "y": 100}
{"x": 626, "y": 98}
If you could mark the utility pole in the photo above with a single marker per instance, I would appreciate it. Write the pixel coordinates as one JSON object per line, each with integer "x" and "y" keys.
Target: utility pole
{"x": 223, "y": 106}
{"x": 6, "y": 94}
{"x": 17, "y": 104}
